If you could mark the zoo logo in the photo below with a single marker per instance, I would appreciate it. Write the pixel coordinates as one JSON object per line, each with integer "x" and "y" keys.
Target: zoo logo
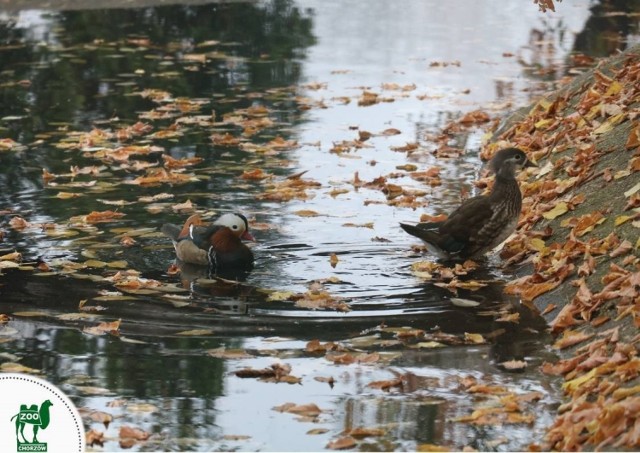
{"x": 38, "y": 418}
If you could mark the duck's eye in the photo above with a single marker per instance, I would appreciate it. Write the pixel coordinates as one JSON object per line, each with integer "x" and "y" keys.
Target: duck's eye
{"x": 518, "y": 157}
{"x": 235, "y": 227}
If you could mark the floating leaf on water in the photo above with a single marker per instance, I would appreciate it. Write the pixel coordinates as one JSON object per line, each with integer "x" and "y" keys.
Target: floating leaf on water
{"x": 306, "y": 213}
{"x": 12, "y": 367}
{"x": 97, "y": 416}
{"x": 223, "y": 353}
{"x": 365, "y": 341}
{"x": 310, "y": 409}
{"x": 427, "y": 345}
{"x": 132, "y": 340}
{"x": 343, "y": 443}
{"x": 61, "y": 232}
{"x": 474, "y": 338}
{"x": 77, "y": 316}
{"x": 30, "y": 313}
{"x": 13, "y": 256}
{"x": 315, "y": 431}
{"x": 132, "y": 232}
{"x": 7, "y": 331}
{"x": 112, "y": 327}
{"x": 91, "y": 277}
{"x": 114, "y": 297}
{"x": 95, "y": 263}
{"x": 91, "y": 390}
{"x": 142, "y": 407}
{"x": 431, "y": 447}
{"x": 120, "y": 264}
{"x": 459, "y": 302}
{"x": 195, "y": 332}
{"x": 8, "y": 265}
{"x": 278, "y": 296}
{"x": 514, "y": 365}
{"x": 362, "y": 432}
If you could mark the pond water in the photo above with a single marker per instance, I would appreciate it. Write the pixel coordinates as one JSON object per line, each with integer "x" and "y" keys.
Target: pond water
{"x": 346, "y": 92}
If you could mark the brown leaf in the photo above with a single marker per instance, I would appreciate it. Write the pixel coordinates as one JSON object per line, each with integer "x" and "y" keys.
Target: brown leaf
{"x": 570, "y": 338}
{"x": 342, "y": 443}
{"x": 365, "y": 432}
{"x": 18, "y": 223}
{"x": 102, "y": 216}
{"x": 128, "y": 432}
{"x": 93, "y": 437}
{"x": 386, "y": 385}
{"x": 311, "y": 409}
{"x": 104, "y": 327}
{"x": 474, "y": 117}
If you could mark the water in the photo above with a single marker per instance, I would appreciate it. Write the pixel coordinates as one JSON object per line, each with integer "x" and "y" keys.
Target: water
{"x": 303, "y": 68}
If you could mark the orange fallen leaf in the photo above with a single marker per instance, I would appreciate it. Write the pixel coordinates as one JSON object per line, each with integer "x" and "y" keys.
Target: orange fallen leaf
{"x": 342, "y": 443}
{"x": 102, "y": 216}
{"x": 93, "y": 437}
{"x": 127, "y": 432}
{"x": 570, "y": 338}
{"x": 104, "y": 327}
{"x": 18, "y": 223}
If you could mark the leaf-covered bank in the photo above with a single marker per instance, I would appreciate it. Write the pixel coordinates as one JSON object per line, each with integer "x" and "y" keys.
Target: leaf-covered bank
{"x": 577, "y": 247}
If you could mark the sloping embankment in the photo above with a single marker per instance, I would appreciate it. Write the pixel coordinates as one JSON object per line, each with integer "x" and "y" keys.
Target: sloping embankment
{"x": 578, "y": 247}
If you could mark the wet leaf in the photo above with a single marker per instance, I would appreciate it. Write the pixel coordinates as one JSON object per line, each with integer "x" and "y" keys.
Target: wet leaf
{"x": 94, "y": 437}
{"x": 112, "y": 328}
{"x": 514, "y": 365}
{"x": 431, "y": 447}
{"x": 342, "y": 443}
{"x": 458, "y": 302}
{"x": 196, "y": 332}
{"x": 128, "y": 432}
{"x": 99, "y": 417}
{"x": 311, "y": 409}
{"x": 30, "y": 313}
{"x": 362, "y": 432}
{"x": 234, "y": 354}
{"x": 12, "y": 367}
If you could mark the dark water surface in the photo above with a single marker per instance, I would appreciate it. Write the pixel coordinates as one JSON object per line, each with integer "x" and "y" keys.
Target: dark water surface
{"x": 74, "y": 83}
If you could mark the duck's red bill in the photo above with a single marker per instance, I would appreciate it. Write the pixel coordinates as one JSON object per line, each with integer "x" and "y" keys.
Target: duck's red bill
{"x": 248, "y": 236}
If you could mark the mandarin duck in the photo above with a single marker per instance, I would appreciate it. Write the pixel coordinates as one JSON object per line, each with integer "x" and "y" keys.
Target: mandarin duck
{"x": 218, "y": 245}
{"x": 483, "y": 222}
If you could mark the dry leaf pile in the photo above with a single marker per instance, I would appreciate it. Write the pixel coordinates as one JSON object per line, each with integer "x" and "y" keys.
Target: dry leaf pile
{"x": 579, "y": 240}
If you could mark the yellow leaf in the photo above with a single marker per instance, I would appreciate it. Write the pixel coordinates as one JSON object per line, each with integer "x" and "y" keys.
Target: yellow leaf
{"x": 475, "y": 338}
{"x": 12, "y": 367}
{"x": 557, "y": 211}
{"x": 66, "y": 195}
{"x": 574, "y": 384}
{"x": 306, "y": 213}
{"x": 279, "y": 296}
{"x": 428, "y": 345}
{"x": 30, "y": 313}
{"x": 537, "y": 244}
{"x": 633, "y": 190}
{"x": 195, "y": 332}
{"x": 622, "y": 219}
{"x": 614, "y": 88}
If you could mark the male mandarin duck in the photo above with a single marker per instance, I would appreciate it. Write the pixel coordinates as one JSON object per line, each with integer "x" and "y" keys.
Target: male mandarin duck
{"x": 218, "y": 245}
{"x": 481, "y": 223}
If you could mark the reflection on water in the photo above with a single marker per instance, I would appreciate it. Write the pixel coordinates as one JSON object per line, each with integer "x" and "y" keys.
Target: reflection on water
{"x": 293, "y": 71}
